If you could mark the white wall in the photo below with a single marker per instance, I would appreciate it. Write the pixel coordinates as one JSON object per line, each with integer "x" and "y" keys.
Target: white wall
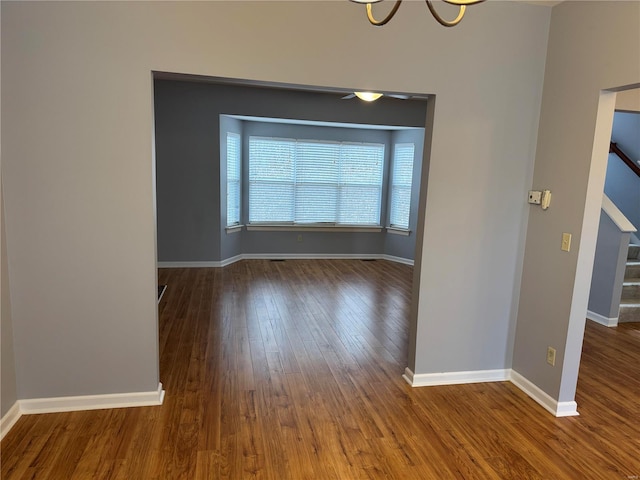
{"x": 586, "y": 55}
{"x": 77, "y": 160}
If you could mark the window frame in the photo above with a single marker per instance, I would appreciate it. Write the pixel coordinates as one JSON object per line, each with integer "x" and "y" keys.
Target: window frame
{"x": 238, "y": 199}
{"x": 393, "y": 188}
{"x": 293, "y": 220}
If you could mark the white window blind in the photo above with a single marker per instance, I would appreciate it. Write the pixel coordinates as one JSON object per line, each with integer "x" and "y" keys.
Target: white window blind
{"x": 233, "y": 179}
{"x": 401, "y": 177}
{"x": 307, "y": 181}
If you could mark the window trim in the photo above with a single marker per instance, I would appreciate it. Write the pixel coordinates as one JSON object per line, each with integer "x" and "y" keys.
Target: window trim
{"x": 312, "y": 227}
{"x": 398, "y": 231}
{"x": 391, "y": 187}
{"x": 233, "y": 228}
{"x": 238, "y": 137}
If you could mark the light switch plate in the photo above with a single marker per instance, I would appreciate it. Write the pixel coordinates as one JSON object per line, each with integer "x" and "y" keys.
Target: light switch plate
{"x": 551, "y": 356}
{"x": 566, "y": 242}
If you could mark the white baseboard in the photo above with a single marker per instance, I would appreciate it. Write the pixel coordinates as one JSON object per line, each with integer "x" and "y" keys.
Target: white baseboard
{"x": 230, "y": 260}
{"x": 601, "y": 319}
{"x": 92, "y": 402}
{"x": 285, "y": 256}
{"x": 559, "y": 409}
{"x": 83, "y": 402}
{"x": 191, "y": 264}
{"x": 310, "y": 256}
{"x": 454, "y": 378}
{"x": 9, "y": 420}
{"x": 391, "y": 258}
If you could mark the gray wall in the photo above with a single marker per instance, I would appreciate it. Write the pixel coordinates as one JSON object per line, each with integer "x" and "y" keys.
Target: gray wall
{"x": 622, "y": 186}
{"x": 585, "y": 58}
{"x": 8, "y": 393}
{"x": 608, "y": 268}
{"x": 192, "y": 210}
{"x": 77, "y": 160}
{"x": 187, "y": 171}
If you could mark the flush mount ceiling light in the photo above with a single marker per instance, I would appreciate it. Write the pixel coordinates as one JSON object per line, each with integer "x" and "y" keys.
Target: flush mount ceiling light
{"x": 371, "y": 96}
{"x": 367, "y": 96}
{"x": 447, "y": 23}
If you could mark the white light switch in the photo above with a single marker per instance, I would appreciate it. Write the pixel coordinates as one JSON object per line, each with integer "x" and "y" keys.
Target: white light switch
{"x": 566, "y": 242}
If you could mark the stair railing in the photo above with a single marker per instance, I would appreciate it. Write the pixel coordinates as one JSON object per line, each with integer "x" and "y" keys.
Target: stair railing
{"x": 613, "y": 148}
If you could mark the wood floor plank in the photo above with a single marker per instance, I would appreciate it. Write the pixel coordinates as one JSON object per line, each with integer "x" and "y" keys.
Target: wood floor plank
{"x": 292, "y": 370}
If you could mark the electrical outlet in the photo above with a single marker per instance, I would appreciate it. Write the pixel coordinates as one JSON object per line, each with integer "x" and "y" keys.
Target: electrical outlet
{"x": 566, "y": 242}
{"x": 300, "y": 238}
{"x": 551, "y": 356}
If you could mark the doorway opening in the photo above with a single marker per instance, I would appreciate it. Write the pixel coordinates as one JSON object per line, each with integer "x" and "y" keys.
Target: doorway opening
{"x": 193, "y": 119}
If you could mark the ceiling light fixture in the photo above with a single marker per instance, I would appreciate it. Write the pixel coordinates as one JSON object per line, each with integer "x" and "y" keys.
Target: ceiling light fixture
{"x": 447, "y": 23}
{"x": 368, "y": 96}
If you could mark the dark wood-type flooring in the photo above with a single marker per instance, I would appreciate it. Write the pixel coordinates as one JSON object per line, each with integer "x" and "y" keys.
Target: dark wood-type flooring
{"x": 292, "y": 370}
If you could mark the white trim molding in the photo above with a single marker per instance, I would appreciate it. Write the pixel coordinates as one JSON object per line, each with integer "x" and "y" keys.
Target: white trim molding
{"x": 190, "y": 264}
{"x": 92, "y": 402}
{"x": 454, "y": 378}
{"x": 9, "y": 420}
{"x": 559, "y": 409}
{"x": 310, "y": 256}
{"x": 82, "y": 402}
{"x": 399, "y": 231}
{"x": 614, "y": 213}
{"x": 233, "y": 229}
{"x": 316, "y": 227}
{"x": 230, "y": 260}
{"x": 201, "y": 264}
{"x": 286, "y": 256}
{"x": 391, "y": 258}
{"x": 601, "y": 319}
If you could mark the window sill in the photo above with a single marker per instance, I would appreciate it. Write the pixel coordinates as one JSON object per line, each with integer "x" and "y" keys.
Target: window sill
{"x": 233, "y": 229}
{"x": 314, "y": 228}
{"x": 399, "y": 231}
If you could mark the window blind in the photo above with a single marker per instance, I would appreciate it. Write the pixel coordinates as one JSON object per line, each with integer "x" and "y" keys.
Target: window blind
{"x": 307, "y": 181}
{"x": 233, "y": 179}
{"x": 401, "y": 177}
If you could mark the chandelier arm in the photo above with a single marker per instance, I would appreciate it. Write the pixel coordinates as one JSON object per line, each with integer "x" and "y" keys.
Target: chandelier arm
{"x": 442, "y": 21}
{"x": 384, "y": 21}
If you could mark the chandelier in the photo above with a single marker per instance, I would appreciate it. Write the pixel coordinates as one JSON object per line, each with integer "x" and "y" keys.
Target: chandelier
{"x": 462, "y": 4}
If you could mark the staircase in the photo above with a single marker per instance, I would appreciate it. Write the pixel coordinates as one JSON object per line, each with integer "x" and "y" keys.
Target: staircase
{"x": 630, "y": 301}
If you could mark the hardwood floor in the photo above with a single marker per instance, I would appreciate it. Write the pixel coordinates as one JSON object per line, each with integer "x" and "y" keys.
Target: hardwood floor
{"x": 292, "y": 370}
